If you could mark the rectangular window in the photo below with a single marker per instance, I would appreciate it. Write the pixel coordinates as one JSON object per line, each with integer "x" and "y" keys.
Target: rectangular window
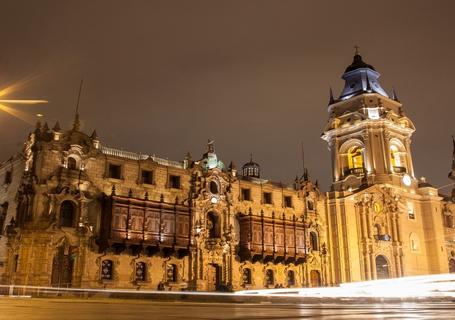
{"x": 411, "y": 213}
{"x": 115, "y": 171}
{"x": 174, "y": 182}
{"x": 246, "y": 194}
{"x": 147, "y": 176}
{"x": 267, "y": 197}
{"x": 288, "y": 201}
{"x": 8, "y": 177}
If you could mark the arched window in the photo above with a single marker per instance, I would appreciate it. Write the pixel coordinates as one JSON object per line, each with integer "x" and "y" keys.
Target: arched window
{"x": 171, "y": 273}
{"x": 414, "y": 242}
{"x": 355, "y": 158}
{"x": 246, "y": 276}
{"x": 397, "y": 156}
{"x": 140, "y": 272}
{"x": 314, "y": 241}
{"x": 213, "y": 187}
{"x": 72, "y": 163}
{"x": 452, "y": 266}
{"x": 106, "y": 270}
{"x": 3, "y": 213}
{"x": 269, "y": 277}
{"x": 213, "y": 225}
{"x": 291, "y": 278}
{"x": 67, "y": 213}
{"x": 310, "y": 205}
{"x": 382, "y": 267}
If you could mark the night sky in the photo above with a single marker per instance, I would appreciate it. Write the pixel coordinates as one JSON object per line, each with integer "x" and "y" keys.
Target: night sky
{"x": 161, "y": 77}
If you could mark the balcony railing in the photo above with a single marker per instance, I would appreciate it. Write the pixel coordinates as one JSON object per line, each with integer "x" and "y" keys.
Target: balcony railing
{"x": 399, "y": 169}
{"x": 354, "y": 171}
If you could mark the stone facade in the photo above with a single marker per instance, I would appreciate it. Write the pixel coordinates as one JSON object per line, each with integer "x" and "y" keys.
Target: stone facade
{"x": 82, "y": 214}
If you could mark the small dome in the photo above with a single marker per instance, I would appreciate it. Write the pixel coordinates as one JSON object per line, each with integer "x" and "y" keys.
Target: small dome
{"x": 251, "y": 169}
{"x": 358, "y": 63}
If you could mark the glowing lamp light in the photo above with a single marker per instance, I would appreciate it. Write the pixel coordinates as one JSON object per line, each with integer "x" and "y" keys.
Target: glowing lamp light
{"x": 214, "y": 200}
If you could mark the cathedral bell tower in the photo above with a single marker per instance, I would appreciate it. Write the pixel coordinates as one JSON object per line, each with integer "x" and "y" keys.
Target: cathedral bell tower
{"x": 368, "y": 134}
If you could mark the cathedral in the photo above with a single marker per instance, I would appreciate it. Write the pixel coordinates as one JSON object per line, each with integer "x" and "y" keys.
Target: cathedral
{"x": 77, "y": 213}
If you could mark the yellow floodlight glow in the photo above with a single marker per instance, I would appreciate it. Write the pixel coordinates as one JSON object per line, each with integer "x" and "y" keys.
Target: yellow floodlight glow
{"x": 23, "y": 101}
{"x": 428, "y": 286}
{"x": 14, "y": 112}
{"x": 18, "y": 114}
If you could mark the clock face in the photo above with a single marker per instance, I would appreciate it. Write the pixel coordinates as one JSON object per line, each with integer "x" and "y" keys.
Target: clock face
{"x": 407, "y": 180}
{"x": 373, "y": 113}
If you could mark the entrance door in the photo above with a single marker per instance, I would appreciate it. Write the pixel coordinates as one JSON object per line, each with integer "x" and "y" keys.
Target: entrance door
{"x": 315, "y": 278}
{"x": 213, "y": 277}
{"x": 62, "y": 268}
{"x": 382, "y": 268}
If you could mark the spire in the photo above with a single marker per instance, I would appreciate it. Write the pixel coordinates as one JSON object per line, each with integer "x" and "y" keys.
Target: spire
{"x": 56, "y": 127}
{"x": 394, "y": 95}
{"x": 77, "y": 123}
{"x": 45, "y": 127}
{"x": 94, "y": 135}
{"x": 331, "y": 99}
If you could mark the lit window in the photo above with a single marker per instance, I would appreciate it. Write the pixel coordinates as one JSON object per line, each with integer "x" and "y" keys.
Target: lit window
{"x": 395, "y": 155}
{"x": 411, "y": 213}
{"x": 355, "y": 158}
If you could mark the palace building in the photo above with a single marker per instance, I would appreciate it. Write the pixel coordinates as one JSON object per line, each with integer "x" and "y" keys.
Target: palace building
{"x": 77, "y": 213}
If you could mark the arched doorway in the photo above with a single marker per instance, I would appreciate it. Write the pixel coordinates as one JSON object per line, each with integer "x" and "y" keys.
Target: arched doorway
{"x": 62, "y": 267}
{"x": 315, "y": 278}
{"x": 382, "y": 268}
{"x": 213, "y": 277}
{"x": 452, "y": 266}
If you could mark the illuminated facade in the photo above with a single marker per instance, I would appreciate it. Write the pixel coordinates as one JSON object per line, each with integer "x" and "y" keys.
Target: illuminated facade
{"x": 81, "y": 214}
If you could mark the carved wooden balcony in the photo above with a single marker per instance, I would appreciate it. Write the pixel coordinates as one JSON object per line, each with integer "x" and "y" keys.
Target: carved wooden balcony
{"x": 271, "y": 239}
{"x": 137, "y": 222}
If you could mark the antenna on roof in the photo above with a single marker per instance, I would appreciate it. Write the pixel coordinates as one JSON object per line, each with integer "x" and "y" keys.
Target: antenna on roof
{"x": 77, "y": 123}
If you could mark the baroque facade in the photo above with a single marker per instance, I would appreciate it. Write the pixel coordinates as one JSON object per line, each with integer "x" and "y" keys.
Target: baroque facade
{"x": 77, "y": 213}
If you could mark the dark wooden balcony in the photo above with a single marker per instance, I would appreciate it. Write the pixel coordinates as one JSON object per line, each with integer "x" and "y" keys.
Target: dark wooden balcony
{"x": 269, "y": 239}
{"x": 131, "y": 222}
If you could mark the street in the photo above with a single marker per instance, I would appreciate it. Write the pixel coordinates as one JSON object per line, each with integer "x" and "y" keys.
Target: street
{"x": 113, "y": 309}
